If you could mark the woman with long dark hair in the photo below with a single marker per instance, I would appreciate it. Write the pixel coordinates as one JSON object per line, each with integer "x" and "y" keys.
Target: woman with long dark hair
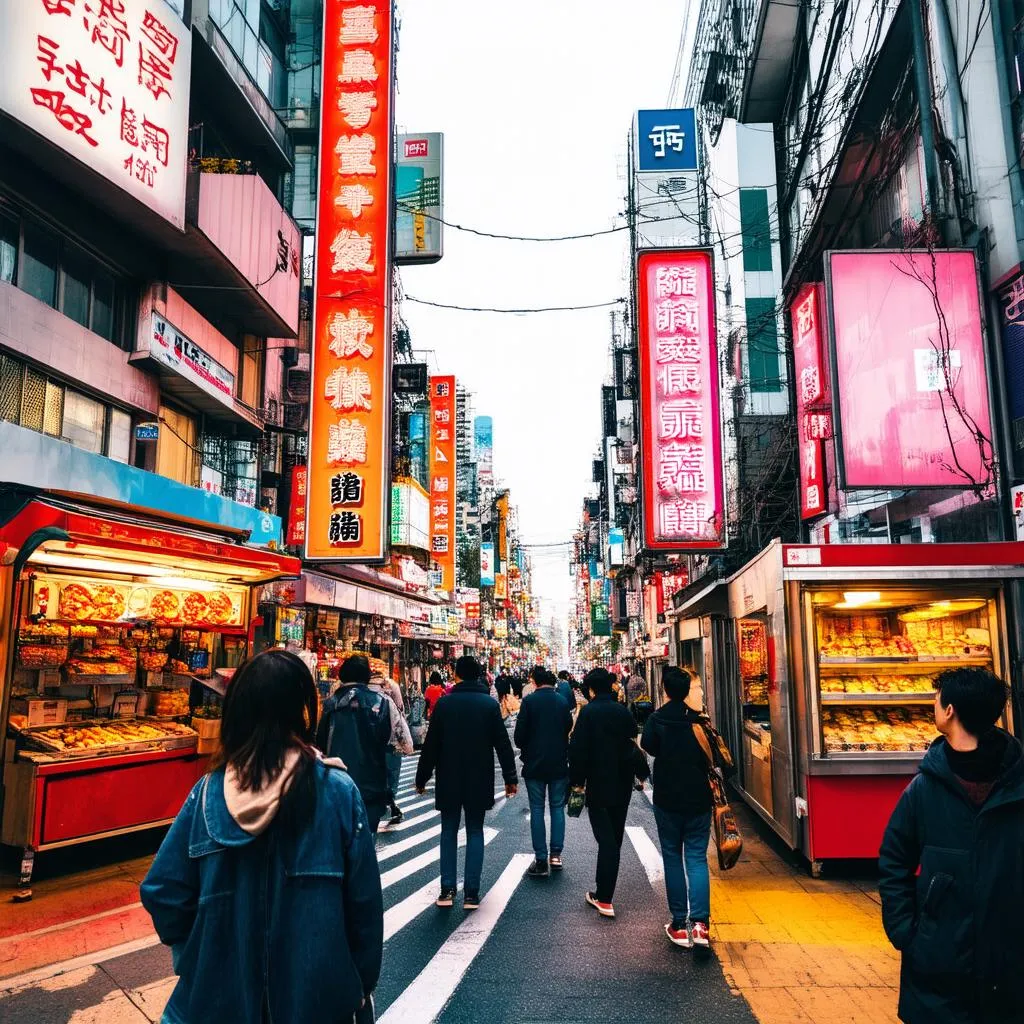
{"x": 266, "y": 887}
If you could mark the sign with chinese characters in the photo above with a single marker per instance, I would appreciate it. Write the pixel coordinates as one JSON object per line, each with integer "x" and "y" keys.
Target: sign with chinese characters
{"x": 487, "y": 565}
{"x": 108, "y": 82}
{"x": 169, "y": 346}
{"x": 297, "y": 508}
{"x": 350, "y": 404}
{"x": 668, "y": 585}
{"x": 812, "y": 396}
{"x": 442, "y": 478}
{"x": 410, "y": 516}
{"x": 666, "y": 140}
{"x": 419, "y": 233}
{"x": 1011, "y": 306}
{"x": 681, "y": 443}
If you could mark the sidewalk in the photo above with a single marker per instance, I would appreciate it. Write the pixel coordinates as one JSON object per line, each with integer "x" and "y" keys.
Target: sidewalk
{"x": 801, "y": 950}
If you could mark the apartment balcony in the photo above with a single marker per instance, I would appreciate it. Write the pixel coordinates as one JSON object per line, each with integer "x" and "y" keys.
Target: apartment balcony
{"x": 773, "y": 38}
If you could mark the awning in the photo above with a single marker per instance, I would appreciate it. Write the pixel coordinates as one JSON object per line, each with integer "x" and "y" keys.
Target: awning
{"x": 702, "y": 597}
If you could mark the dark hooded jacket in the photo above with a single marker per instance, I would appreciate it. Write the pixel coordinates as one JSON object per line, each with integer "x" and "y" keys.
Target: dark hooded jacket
{"x": 959, "y": 923}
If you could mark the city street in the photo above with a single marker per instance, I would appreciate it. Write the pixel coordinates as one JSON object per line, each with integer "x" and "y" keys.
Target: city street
{"x": 788, "y": 948}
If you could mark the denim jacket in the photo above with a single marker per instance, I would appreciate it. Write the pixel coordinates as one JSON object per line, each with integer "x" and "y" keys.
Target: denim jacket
{"x": 281, "y": 928}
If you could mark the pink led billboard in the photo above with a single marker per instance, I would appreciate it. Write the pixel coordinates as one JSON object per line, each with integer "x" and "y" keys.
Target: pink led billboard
{"x": 909, "y": 370}
{"x": 681, "y": 430}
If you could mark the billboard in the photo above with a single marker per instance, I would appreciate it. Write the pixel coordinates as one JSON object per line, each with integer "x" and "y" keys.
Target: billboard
{"x": 108, "y": 83}
{"x": 419, "y": 233}
{"x": 1011, "y": 305}
{"x": 812, "y": 393}
{"x": 442, "y": 478}
{"x": 483, "y": 448}
{"x": 350, "y": 403}
{"x": 680, "y": 426}
{"x": 666, "y": 140}
{"x": 486, "y": 565}
{"x": 908, "y": 370}
{"x": 410, "y": 515}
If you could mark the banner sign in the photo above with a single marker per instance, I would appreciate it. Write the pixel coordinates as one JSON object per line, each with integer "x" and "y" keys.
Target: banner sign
{"x": 297, "y": 508}
{"x": 442, "y": 478}
{"x": 681, "y": 442}
{"x": 486, "y": 565}
{"x": 812, "y": 396}
{"x": 419, "y": 232}
{"x": 350, "y": 404}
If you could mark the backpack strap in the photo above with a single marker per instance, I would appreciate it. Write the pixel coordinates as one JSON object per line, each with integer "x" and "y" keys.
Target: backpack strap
{"x": 702, "y": 740}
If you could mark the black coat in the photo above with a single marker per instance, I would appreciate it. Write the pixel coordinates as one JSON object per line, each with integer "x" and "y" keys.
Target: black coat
{"x": 959, "y": 923}
{"x": 466, "y": 730}
{"x": 355, "y": 725}
{"x": 542, "y": 735}
{"x": 603, "y": 755}
{"x": 680, "y": 764}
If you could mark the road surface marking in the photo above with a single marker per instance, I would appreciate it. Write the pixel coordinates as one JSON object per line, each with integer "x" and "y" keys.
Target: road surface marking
{"x": 416, "y": 819}
{"x": 412, "y": 807}
{"x": 398, "y": 916}
{"x": 410, "y": 867}
{"x": 394, "y": 849}
{"x": 427, "y": 996}
{"x": 649, "y": 854}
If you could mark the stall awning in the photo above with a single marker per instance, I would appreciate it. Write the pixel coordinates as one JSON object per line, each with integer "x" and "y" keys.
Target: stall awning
{"x": 702, "y": 597}
{"x": 56, "y": 534}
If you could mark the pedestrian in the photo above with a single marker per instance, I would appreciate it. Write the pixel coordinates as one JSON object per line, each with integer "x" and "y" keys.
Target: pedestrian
{"x": 604, "y": 760}
{"x": 356, "y": 725}
{"x": 434, "y": 692}
{"x": 542, "y": 736}
{"x": 564, "y": 689}
{"x": 466, "y": 730}
{"x": 532, "y": 680}
{"x": 682, "y": 810}
{"x": 951, "y": 867}
{"x": 401, "y": 737}
{"x": 266, "y": 887}
{"x": 417, "y": 716}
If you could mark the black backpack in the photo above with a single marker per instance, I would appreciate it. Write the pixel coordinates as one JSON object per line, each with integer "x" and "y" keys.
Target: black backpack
{"x": 358, "y": 731}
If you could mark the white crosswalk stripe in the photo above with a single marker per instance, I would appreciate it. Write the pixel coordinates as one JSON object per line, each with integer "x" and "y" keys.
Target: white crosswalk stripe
{"x": 425, "y": 998}
{"x": 390, "y": 850}
{"x": 413, "y": 822}
{"x": 649, "y": 854}
{"x": 410, "y": 867}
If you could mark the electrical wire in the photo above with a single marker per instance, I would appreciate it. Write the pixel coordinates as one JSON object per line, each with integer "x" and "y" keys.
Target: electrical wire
{"x": 412, "y": 208}
{"x": 517, "y": 312}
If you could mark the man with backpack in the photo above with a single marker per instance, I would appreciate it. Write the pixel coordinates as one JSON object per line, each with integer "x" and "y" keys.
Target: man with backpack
{"x": 355, "y": 725}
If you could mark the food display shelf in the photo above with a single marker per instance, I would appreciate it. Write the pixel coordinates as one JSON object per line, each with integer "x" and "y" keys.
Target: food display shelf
{"x": 41, "y": 739}
{"x": 925, "y": 697}
{"x": 906, "y": 666}
{"x": 100, "y": 679}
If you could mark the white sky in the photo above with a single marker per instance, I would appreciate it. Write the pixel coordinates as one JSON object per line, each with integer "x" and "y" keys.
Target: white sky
{"x": 535, "y": 100}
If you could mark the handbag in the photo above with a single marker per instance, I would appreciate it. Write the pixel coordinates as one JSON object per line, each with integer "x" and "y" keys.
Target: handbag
{"x": 724, "y": 826}
{"x": 577, "y": 798}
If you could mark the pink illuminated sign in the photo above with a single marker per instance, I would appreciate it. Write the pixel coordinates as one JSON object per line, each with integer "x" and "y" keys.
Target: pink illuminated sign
{"x": 681, "y": 432}
{"x": 811, "y": 394}
{"x": 910, "y": 368}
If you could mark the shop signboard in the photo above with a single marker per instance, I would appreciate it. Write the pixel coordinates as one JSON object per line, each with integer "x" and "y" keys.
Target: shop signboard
{"x": 168, "y": 346}
{"x": 681, "y": 445}
{"x": 419, "y": 231}
{"x": 483, "y": 449}
{"x": 410, "y": 516}
{"x": 108, "y": 83}
{"x": 442, "y": 478}
{"x": 350, "y": 403}
{"x": 812, "y": 394}
{"x": 600, "y": 623}
{"x": 669, "y": 584}
{"x": 487, "y": 565}
{"x": 667, "y": 158}
{"x": 908, "y": 370}
{"x": 500, "y": 587}
{"x": 616, "y": 547}
{"x": 1011, "y": 304}
{"x": 297, "y": 508}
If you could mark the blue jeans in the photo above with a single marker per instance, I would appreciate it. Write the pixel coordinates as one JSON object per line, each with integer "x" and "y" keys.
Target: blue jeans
{"x": 394, "y": 763}
{"x": 450, "y": 821}
{"x": 556, "y": 793}
{"x": 686, "y": 837}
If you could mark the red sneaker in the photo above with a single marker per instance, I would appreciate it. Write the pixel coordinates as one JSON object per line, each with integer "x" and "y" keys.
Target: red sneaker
{"x": 700, "y": 935}
{"x": 679, "y": 936}
{"x": 604, "y": 909}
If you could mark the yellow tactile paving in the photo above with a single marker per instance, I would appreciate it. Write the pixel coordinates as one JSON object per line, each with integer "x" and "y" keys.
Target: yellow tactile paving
{"x": 802, "y": 950}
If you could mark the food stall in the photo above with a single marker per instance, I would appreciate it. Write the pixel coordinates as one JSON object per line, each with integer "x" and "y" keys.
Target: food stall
{"x": 118, "y": 636}
{"x": 825, "y": 691}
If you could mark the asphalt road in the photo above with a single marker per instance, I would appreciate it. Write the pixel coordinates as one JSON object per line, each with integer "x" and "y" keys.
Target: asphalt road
{"x": 533, "y": 954}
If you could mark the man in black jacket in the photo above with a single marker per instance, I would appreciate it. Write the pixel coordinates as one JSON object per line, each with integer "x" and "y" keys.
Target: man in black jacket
{"x": 465, "y": 731}
{"x": 952, "y": 864}
{"x": 542, "y": 736}
{"x": 604, "y": 758}
{"x": 355, "y": 725}
{"x": 682, "y": 810}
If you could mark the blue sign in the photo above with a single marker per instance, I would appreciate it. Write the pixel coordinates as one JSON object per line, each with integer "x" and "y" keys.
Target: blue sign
{"x": 483, "y": 433}
{"x": 666, "y": 140}
{"x": 147, "y": 432}
{"x": 486, "y": 565}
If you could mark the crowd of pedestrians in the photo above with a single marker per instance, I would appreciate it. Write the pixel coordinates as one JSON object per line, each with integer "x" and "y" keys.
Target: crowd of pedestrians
{"x": 276, "y": 843}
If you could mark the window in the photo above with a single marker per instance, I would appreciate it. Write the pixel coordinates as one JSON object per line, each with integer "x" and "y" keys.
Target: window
{"x": 119, "y": 436}
{"x": 33, "y": 400}
{"x": 250, "y": 386}
{"x": 38, "y": 275}
{"x": 177, "y": 452}
{"x": 763, "y": 346}
{"x": 8, "y": 248}
{"x": 103, "y": 321}
{"x": 84, "y": 422}
{"x": 755, "y": 225}
{"x": 53, "y": 409}
{"x": 75, "y": 285}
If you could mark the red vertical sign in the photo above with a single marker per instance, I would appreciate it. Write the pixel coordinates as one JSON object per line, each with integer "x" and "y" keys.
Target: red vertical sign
{"x": 812, "y": 391}
{"x": 297, "y": 508}
{"x": 684, "y": 507}
{"x": 442, "y": 478}
{"x": 350, "y": 403}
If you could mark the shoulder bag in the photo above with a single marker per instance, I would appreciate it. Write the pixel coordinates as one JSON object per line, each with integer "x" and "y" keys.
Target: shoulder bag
{"x": 725, "y": 827}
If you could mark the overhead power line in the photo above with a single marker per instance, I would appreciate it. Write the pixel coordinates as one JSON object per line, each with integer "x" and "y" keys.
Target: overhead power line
{"x": 492, "y": 309}
{"x": 412, "y": 208}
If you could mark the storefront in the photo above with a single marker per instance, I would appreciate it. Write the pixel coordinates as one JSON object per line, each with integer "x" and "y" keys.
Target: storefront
{"x": 819, "y": 666}
{"x": 119, "y": 634}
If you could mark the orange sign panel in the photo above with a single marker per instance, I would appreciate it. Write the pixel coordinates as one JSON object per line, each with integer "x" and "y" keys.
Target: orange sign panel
{"x": 442, "y": 478}
{"x": 350, "y": 406}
